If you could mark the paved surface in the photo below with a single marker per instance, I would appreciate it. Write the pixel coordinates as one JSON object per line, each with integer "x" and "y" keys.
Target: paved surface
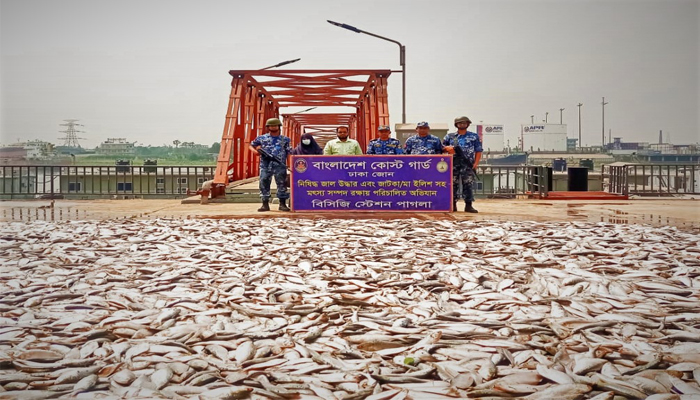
{"x": 682, "y": 213}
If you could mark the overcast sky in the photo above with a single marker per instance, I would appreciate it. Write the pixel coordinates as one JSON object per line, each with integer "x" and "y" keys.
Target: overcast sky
{"x": 156, "y": 71}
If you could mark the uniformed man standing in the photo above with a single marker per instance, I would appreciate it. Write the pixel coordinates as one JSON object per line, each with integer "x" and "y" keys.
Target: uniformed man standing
{"x": 274, "y": 149}
{"x": 466, "y": 149}
{"x": 423, "y": 142}
{"x": 384, "y": 144}
{"x": 343, "y": 145}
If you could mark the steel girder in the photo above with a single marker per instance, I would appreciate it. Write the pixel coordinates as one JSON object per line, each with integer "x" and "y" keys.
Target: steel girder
{"x": 260, "y": 94}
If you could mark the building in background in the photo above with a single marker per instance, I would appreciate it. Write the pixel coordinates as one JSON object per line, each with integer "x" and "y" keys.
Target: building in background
{"x": 620, "y": 147}
{"x": 9, "y": 154}
{"x": 118, "y": 146}
{"x": 129, "y": 180}
{"x": 492, "y": 137}
{"x": 543, "y": 137}
{"x": 39, "y": 150}
{"x": 662, "y": 148}
{"x": 29, "y": 150}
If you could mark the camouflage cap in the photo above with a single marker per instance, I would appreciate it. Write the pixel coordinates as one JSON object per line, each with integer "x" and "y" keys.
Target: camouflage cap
{"x": 463, "y": 119}
{"x": 273, "y": 121}
{"x": 384, "y": 128}
{"x": 423, "y": 124}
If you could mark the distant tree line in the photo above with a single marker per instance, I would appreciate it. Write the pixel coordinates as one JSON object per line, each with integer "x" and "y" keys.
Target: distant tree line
{"x": 182, "y": 150}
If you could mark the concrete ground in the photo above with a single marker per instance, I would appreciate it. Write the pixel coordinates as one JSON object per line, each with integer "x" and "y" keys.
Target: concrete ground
{"x": 682, "y": 213}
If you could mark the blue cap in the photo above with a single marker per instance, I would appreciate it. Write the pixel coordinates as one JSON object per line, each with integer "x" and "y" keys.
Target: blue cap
{"x": 384, "y": 128}
{"x": 423, "y": 124}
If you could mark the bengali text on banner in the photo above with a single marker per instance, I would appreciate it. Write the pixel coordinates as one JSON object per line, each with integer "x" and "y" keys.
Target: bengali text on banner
{"x": 372, "y": 183}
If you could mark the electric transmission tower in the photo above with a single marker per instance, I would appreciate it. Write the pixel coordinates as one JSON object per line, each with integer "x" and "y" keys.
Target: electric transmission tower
{"x": 71, "y": 139}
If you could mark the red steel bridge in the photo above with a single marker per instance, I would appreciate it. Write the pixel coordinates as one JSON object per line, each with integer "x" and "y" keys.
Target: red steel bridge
{"x": 257, "y": 95}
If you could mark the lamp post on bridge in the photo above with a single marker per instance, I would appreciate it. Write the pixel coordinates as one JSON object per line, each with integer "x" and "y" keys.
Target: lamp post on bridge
{"x": 603, "y": 132}
{"x": 402, "y": 60}
{"x": 308, "y": 109}
{"x": 579, "y": 125}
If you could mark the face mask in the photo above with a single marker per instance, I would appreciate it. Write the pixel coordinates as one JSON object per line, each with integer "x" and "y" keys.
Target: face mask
{"x": 306, "y": 141}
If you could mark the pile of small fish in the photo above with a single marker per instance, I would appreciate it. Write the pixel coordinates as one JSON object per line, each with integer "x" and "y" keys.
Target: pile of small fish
{"x": 348, "y": 309}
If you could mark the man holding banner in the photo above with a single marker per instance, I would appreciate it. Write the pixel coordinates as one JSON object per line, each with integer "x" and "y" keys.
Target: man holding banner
{"x": 423, "y": 142}
{"x": 384, "y": 144}
{"x": 466, "y": 149}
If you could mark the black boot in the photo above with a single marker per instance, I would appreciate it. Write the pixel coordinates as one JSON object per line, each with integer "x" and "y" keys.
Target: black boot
{"x": 265, "y": 206}
{"x": 454, "y": 205}
{"x": 283, "y": 205}
{"x": 468, "y": 207}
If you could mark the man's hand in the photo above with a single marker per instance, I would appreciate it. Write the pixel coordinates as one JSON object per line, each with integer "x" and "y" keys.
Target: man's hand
{"x": 449, "y": 149}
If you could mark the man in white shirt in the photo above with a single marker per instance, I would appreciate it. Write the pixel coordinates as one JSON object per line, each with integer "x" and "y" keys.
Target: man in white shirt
{"x": 343, "y": 145}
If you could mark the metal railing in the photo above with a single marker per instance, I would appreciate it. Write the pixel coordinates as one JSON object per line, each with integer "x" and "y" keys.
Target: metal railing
{"x": 509, "y": 182}
{"x": 150, "y": 181}
{"x": 45, "y": 181}
{"x": 616, "y": 179}
{"x": 652, "y": 179}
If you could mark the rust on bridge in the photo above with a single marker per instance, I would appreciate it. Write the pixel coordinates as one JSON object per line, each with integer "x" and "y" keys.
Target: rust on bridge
{"x": 261, "y": 94}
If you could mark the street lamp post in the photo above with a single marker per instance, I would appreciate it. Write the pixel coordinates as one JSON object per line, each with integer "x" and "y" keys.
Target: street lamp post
{"x": 546, "y": 116}
{"x": 579, "y": 125}
{"x": 308, "y": 109}
{"x": 281, "y": 64}
{"x": 532, "y": 119}
{"x": 561, "y": 116}
{"x": 603, "y": 103}
{"x": 402, "y": 60}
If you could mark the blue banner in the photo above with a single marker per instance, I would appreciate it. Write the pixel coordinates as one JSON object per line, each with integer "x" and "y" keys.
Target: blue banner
{"x": 372, "y": 183}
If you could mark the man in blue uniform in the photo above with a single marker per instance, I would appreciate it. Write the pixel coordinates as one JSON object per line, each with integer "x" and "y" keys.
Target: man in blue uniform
{"x": 384, "y": 144}
{"x": 466, "y": 149}
{"x": 274, "y": 149}
{"x": 423, "y": 142}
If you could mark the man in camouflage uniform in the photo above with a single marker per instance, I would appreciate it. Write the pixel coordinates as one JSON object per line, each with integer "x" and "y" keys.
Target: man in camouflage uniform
{"x": 384, "y": 144}
{"x": 423, "y": 142}
{"x": 278, "y": 147}
{"x": 466, "y": 149}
